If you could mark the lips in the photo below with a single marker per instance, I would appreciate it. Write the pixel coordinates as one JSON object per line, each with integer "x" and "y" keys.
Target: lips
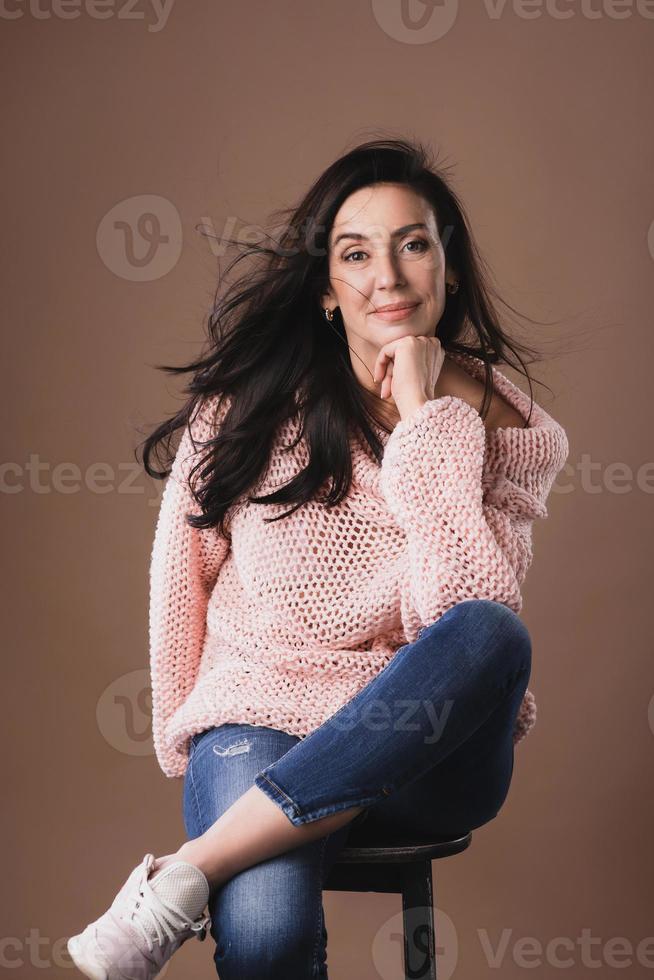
{"x": 396, "y": 313}
{"x": 392, "y": 307}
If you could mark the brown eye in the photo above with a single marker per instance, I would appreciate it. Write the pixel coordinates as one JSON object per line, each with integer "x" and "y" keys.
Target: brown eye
{"x": 418, "y": 241}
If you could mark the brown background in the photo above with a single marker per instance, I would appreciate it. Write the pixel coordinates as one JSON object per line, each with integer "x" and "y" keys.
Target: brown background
{"x": 226, "y": 112}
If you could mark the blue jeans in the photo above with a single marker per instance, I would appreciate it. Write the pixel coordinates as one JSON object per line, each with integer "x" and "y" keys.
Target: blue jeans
{"x": 426, "y": 747}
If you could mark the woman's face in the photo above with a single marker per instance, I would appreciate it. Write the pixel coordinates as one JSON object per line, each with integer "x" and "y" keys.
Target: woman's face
{"x": 380, "y": 261}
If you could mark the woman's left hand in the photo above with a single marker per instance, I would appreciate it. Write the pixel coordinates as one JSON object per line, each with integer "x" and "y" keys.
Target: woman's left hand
{"x": 408, "y": 369}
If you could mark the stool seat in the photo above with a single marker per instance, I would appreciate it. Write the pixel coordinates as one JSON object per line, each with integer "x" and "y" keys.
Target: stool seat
{"x": 394, "y": 851}
{"x": 398, "y": 865}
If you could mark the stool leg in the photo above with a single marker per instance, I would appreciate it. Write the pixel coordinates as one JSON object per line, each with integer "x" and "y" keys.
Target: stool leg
{"x": 418, "y": 915}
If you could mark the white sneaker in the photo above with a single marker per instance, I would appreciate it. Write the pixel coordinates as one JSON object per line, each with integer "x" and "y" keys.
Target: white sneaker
{"x": 146, "y": 923}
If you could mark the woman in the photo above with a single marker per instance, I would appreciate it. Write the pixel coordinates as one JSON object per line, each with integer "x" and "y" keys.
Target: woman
{"x": 359, "y": 657}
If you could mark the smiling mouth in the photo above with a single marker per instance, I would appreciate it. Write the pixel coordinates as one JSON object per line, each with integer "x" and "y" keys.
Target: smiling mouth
{"x": 396, "y": 309}
{"x": 393, "y": 307}
{"x": 396, "y": 313}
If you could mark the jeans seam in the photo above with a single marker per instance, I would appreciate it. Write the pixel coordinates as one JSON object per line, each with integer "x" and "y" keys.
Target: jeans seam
{"x": 195, "y": 798}
{"x": 281, "y": 791}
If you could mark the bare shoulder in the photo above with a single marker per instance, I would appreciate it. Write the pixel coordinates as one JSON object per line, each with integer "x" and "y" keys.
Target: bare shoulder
{"x": 454, "y": 380}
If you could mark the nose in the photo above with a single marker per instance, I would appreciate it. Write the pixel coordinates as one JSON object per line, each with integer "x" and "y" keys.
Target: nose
{"x": 387, "y": 270}
{"x": 388, "y": 274}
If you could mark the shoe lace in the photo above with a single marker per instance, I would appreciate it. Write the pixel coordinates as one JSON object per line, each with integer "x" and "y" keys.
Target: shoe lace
{"x": 165, "y": 918}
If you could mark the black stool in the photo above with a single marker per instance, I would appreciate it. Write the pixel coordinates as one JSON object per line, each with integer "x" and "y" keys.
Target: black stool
{"x": 404, "y": 867}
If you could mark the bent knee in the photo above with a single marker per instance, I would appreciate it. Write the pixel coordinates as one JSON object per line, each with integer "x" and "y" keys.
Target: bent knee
{"x": 499, "y": 625}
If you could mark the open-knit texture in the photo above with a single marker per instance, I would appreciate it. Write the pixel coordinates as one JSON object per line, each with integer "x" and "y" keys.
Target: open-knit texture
{"x": 284, "y": 623}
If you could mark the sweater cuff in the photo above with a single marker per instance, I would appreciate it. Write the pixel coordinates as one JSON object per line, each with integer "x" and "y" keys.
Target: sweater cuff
{"x": 455, "y": 409}
{"x": 439, "y": 449}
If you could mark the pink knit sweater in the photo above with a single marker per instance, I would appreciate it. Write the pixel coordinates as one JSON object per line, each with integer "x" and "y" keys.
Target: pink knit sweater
{"x": 286, "y": 622}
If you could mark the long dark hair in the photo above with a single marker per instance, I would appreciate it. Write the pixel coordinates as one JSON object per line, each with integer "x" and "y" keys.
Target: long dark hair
{"x": 271, "y": 352}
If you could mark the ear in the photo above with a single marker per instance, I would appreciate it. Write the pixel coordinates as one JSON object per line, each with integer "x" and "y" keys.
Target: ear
{"x": 450, "y": 274}
{"x": 328, "y": 299}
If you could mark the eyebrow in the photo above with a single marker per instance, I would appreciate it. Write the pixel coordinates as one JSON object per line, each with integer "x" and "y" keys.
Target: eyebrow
{"x": 363, "y": 238}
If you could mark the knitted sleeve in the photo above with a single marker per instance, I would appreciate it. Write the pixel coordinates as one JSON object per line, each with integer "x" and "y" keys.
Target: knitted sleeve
{"x": 184, "y": 566}
{"x": 466, "y": 498}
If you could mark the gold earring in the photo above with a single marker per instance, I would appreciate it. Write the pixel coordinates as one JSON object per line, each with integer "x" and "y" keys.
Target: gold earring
{"x": 328, "y": 314}
{"x": 452, "y": 287}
